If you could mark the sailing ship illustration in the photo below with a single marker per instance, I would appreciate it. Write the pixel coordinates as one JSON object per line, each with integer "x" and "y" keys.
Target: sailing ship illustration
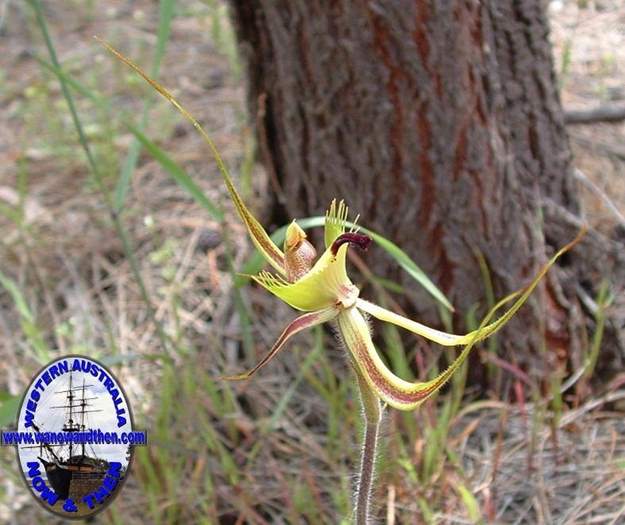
{"x": 71, "y": 471}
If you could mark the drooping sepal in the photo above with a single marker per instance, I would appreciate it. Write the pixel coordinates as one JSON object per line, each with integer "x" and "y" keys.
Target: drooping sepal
{"x": 405, "y": 395}
{"x": 308, "y": 320}
{"x": 397, "y": 392}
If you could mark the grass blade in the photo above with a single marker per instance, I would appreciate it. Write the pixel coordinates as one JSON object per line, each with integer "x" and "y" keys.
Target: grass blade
{"x": 166, "y": 10}
{"x": 97, "y": 176}
{"x": 9, "y": 405}
{"x": 470, "y": 503}
{"x": 27, "y": 319}
{"x": 402, "y": 258}
{"x": 177, "y": 173}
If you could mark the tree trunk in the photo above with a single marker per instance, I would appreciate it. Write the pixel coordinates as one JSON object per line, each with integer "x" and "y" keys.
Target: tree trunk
{"x": 440, "y": 123}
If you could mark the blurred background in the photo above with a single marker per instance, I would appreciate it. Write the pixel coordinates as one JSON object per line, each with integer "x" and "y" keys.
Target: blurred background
{"x": 131, "y": 256}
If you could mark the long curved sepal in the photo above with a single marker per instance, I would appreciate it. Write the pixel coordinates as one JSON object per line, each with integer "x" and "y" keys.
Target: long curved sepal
{"x": 446, "y": 339}
{"x": 260, "y": 238}
{"x": 392, "y": 389}
{"x": 272, "y": 254}
{"x": 405, "y": 395}
{"x": 300, "y": 323}
{"x": 325, "y": 285}
{"x": 442, "y": 338}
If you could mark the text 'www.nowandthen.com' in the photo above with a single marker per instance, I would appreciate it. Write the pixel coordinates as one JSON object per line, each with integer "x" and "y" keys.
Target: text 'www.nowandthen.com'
{"x": 87, "y": 437}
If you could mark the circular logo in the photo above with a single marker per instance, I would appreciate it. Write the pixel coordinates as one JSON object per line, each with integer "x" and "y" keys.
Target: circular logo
{"x": 74, "y": 436}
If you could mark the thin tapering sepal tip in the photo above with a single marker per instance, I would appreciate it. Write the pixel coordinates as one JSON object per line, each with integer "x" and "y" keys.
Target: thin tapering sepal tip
{"x": 239, "y": 377}
{"x": 272, "y": 254}
{"x": 303, "y": 322}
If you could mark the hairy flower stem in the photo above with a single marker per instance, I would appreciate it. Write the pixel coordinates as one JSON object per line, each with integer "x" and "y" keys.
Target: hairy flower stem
{"x": 372, "y": 412}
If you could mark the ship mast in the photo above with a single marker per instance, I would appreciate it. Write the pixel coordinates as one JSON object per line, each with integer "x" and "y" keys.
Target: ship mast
{"x": 42, "y": 445}
{"x": 72, "y": 404}
{"x": 83, "y": 404}
{"x": 70, "y": 426}
{"x": 74, "y": 401}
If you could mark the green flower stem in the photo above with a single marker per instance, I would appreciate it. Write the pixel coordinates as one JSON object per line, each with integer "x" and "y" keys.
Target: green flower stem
{"x": 372, "y": 412}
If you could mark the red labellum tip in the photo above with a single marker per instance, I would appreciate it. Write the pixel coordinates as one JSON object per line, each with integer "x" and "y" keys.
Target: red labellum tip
{"x": 357, "y": 239}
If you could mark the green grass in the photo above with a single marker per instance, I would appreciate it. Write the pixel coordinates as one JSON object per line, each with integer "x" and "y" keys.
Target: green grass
{"x": 97, "y": 175}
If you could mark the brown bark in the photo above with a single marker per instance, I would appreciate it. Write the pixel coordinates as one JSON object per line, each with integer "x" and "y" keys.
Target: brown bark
{"x": 440, "y": 123}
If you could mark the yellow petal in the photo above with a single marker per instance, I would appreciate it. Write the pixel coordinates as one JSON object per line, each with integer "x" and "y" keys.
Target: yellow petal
{"x": 442, "y": 338}
{"x": 394, "y": 390}
{"x": 405, "y": 395}
{"x": 261, "y": 240}
{"x": 370, "y": 401}
{"x": 446, "y": 339}
{"x": 308, "y": 320}
{"x": 326, "y": 285}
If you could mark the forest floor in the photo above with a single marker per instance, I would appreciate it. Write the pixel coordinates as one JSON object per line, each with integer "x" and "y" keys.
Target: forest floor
{"x": 280, "y": 448}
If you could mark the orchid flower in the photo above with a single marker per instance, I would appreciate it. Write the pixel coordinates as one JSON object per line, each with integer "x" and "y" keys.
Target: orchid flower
{"x": 320, "y": 288}
{"x": 323, "y": 290}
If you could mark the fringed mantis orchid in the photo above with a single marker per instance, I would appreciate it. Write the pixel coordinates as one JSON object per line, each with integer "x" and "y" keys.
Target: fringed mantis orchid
{"x": 321, "y": 289}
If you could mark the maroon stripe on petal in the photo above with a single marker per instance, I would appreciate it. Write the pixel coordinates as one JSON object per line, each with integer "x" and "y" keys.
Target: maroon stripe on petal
{"x": 382, "y": 384}
{"x": 308, "y": 320}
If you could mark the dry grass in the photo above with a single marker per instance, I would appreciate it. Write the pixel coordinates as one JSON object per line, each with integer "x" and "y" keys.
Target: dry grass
{"x": 279, "y": 449}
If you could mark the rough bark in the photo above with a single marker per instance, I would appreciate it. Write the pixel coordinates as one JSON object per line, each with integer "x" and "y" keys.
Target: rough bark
{"x": 440, "y": 123}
